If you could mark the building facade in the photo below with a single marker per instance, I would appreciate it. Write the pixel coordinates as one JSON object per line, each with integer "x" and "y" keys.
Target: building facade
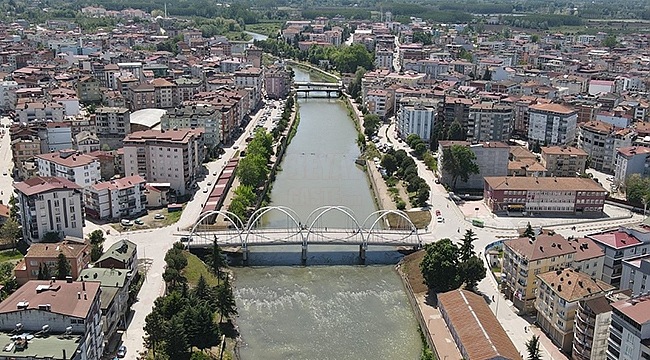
{"x": 491, "y": 158}
{"x": 629, "y": 332}
{"x": 117, "y": 199}
{"x": 416, "y": 116}
{"x": 172, "y": 156}
{"x": 551, "y": 124}
{"x": 601, "y": 142}
{"x": 83, "y": 169}
{"x": 50, "y": 205}
{"x": 564, "y": 161}
{"x": 489, "y": 122}
{"x": 206, "y": 117}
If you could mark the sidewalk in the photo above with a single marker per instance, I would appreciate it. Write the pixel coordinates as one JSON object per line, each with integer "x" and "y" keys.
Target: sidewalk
{"x": 437, "y": 328}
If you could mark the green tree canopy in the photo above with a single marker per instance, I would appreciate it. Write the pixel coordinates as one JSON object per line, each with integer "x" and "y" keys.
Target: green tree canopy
{"x": 456, "y": 131}
{"x": 389, "y": 163}
{"x": 62, "y": 267}
{"x": 252, "y": 170}
{"x": 637, "y": 189}
{"x": 459, "y": 162}
{"x": 226, "y": 305}
{"x": 349, "y": 58}
{"x": 532, "y": 347}
{"x": 439, "y": 266}
{"x": 467, "y": 246}
{"x": 473, "y": 271}
{"x": 176, "y": 344}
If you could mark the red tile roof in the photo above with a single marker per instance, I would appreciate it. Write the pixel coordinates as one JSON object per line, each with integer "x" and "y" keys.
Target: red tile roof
{"x": 121, "y": 183}
{"x": 615, "y": 239}
{"x": 76, "y": 159}
{"x": 637, "y": 309}
{"x": 37, "y": 185}
{"x": 543, "y": 247}
{"x": 60, "y": 295}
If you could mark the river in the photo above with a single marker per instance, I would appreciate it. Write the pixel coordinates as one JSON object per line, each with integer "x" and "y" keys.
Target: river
{"x": 330, "y": 309}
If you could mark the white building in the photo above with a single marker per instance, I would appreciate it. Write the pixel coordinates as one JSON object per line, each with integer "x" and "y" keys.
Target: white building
{"x": 631, "y": 160}
{"x": 601, "y": 142}
{"x": 113, "y": 122}
{"x": 636, "y": 274}
{"x": 67, "y": 312}
{"x": 58, "y": 136}
{"x": 171, "y": 156}
{"x": 552, "y": 124}
{"x": 629, "y": 333}
{"x": 32, "y": 111}
{"x": 416, "y": 116}
{"x": 6, "y": 87}
{"x": 49, "y": 204}
{"x": 116, "y": 199}
{"x": 82, "y": 169}
{"x": 251, "y": 79}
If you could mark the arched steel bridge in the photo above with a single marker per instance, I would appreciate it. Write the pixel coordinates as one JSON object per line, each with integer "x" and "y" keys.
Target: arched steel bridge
{"x": 317, "y": 89}
{"x": 227, "y": 229}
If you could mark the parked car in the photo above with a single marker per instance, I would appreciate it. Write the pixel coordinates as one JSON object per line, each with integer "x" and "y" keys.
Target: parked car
{"x": 159, "y": 216}
{"x": 126, "y": 222}
{"x": 185, "y": 239}
{"x": 441, "y": 219}
{"x": 139, "y": 222}
{"x": 121, "y": 352}
{"x": 438, "y": 213}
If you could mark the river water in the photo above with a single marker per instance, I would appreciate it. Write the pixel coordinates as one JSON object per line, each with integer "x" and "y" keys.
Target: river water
{"x": 331, "y": 309}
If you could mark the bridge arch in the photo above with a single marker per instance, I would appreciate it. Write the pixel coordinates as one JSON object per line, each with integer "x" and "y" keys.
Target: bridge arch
{"x": 257, "y": 215}
{"x": 321, "y": 211}
{"x": 230, "y": 217}
{"x": 382, "y": 215}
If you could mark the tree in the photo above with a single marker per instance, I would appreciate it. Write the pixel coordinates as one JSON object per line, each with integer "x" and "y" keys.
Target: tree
{"x": 529, "y": 232}
{"x": 62, "y": 267}
{"x": 51, "y": 237}
{"x": 456, "y": 131}
{"x": 610, "y": 42}
{"x": 467, "y": 247}
{"x": 200, "y": 355}
{"x": 200, "y": 328}
{"x": 176, "y": 345}
{"x": 13, "y": 204}
{"x": 458, "y": 161}
{"x": 472, "y": 271}
{"x": 96, "y": 251}
{"x": 96, "y": 237}
{"x": 389, "y": 163}
{"x": 226, "y": 305}
{"x": 532, "y": 347}
{"x": 439, "y": 266}
{"x": 252, "y": 170}
{"x": 371, "y": 124}
{"x": 423, "y": 196}
{"x": 637, "y": 188}
{"x": 202, "y": 291}
{"x": 216, "y": 260}
{"x": 154, "y": 327}
{"x": 10, "y": 231}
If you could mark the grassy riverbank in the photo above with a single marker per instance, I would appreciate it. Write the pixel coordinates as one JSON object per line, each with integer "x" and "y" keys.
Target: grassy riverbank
{"x": 316, "y": 74}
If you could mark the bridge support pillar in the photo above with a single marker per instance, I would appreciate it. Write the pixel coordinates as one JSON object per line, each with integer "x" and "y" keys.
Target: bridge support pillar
{"x": 245, "y": 255}
{"x": 304, "y": 254}
{"x": 362, "y": 252}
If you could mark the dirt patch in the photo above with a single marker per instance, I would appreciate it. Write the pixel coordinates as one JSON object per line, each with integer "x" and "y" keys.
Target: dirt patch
{"x": 411, "y": 267}
{"x": 421, "y": 219}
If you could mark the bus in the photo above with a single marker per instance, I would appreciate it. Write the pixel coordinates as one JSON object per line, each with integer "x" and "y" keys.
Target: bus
{"x": 478, "y": 223}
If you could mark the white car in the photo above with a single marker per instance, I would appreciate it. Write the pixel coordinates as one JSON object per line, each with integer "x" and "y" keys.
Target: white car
{"x": 126, "y": 222}
{"x": 159, "y": 216}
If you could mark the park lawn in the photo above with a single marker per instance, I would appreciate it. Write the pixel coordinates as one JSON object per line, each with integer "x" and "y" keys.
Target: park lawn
{"x": 411, "y": 267}
{"x": 10, "y": 255}
{"x": 420, "y": 219}
{"x": 171, "y": 217}
{"x": 195, "y": 268}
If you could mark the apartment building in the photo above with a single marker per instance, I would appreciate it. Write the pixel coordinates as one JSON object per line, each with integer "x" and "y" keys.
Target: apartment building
{"x": 635, "y": 274}
{"x": 186, "y": 88}
{"x": 277, "y": 82}
{"x": 379, "y": 102}
{"x": 489, "y": 122}
{"x": 251, "y": 79}
{"x": 121, "y": 255}
{"x": 172, "y": 156}
{"x": 621, "y": 244}
{"x": 557, "y": 302}
{"x": 83, "y": 169}
{"x": 116, "y": 199}
{"x": 36, "y": 110}
{"x": 601, "y": 142}
{"x": 591, "y": 325}
{"x": 112, "y": 122}
{"x": 631, "y": 160}
{"x": 49, "y": 204}
{"x": 416, "y": 116}
{"x": 524, "y": 259}
{"x": 551, "y": 124}
{"x": 205, "y": 116}
{"x": 88, "y": 89}
{"x": 45, "y": 255}
{"x": 629, "y": 332}
{"x": 384, "y": 59}
{"x": 164, "y": 93}
{"x": 564, "y": 161}
{"x": 86, "y": 142}
{"x": 544, "y": 195}
{"x": 65, "y": 314}
{"x": 491, "y": 158}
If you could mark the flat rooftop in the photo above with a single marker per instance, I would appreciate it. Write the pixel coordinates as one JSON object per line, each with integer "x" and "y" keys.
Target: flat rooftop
{"x": 53, "y": 346}
{"x": 147, "y": 117}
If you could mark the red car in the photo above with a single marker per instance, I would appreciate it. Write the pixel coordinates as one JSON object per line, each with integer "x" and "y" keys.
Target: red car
{"x": 438, "y": 213}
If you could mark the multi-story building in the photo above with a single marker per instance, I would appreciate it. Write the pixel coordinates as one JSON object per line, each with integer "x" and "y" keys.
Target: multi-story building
{"x": 186, "y": 88}
{"x": 524, "y": 259}
{"x": 141, "y": 96}
{"x": 206, "y": 117}
{"x": 49, "y": 204}
{"x": 121, "y": 255}
{"x": 557, "y": 301}
{"x": 6, "y": 98}
{"x": 544, "y": 195}
{"x": 489, "y": 122}
{"x": 65, "y": 314}
{"x": 621, "y": 244}
{"x": 56, "y": 136}
{"x": 491, "y": 158}
{"x": 601, "y": 142}
{"x": 41, "y": 260}
{"x": 551, "y": 124}
{"x": 252, "y": 80}
{"x": 116, "y": 199}
{"x": 24, "y": 147}
{"x": 636, "y": 274}
{"x": 112, "y": 122}
{"x": 591, "y": 325}
{"x": 563, "y": 161}
{"x": 86, "y": 142}
{"x": 455, "y": 109}
{"x": 83, "y": 169}
{"x": 416, "y": 116}
{"x": 379, "y": 102}
{"x": 631, "y": 160}
{"x": 88, "y": 89}
{"x": 589, "y": 257}
{"x": 114, "y": 284}
{"x": 629, "y": 332}
{"x": 164, "y": 93}
{"x": 173, "y": 156}
{"x": 384, "y": 59}
{"x": 32, "y": 111}
{"x": 277, "y": 82}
